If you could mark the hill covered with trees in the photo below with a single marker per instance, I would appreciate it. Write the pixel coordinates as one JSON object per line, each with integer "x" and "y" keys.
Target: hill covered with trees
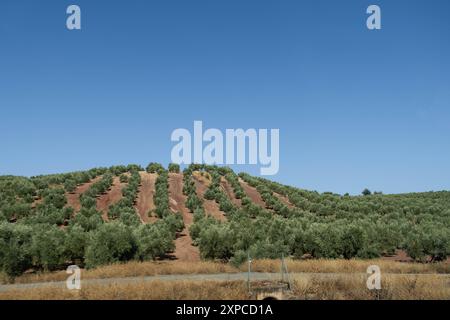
{"x": 49, "y": 222}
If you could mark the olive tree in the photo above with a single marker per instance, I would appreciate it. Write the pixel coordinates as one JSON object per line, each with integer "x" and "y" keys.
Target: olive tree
{"x": 110, "y": 243}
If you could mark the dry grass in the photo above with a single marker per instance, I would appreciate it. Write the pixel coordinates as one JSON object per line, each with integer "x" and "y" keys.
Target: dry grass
{"x": 312, "y": 287}
{"x": 140, "y": 269}
{"x": 393, "y": 287}
{"x": 155, "y": 290}
{"x": 135, "y": 269}
{"x": 347, "y": 266}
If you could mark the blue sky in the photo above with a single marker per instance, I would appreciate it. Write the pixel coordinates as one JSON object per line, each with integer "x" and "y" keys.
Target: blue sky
{"x": 355, "y": 108}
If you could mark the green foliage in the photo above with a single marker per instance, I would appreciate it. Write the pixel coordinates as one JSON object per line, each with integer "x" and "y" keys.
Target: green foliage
{"x": 174, "y": 168}
{"x": 215, "y": 192}
{"x": 110, "y": 243}
{"x": 88, "y": 199}
{"x": 124, "y": 209}
{"x": 130, "y": 218}
{"x": 70, "y": 185}
{"x": 352, "y": 241}
{"x": 193, "y": 202}
{"x": 15, "y": 249}
{"x": 233, "y": 179}
{"x": 55, "y": 197}
{"x": 88, "y": 219}
{"x": 49, "y": 215}
{"x": 39, "y": 231}
{"x": 15, "y": 210}
{"x": 48, "y": 247}
{"x": 76, "y": 243}
{"x": 329, "y": 225}
{"x": 155, "y": 168}
{"x": 161, "y": 197}
{"x": 216, "y": 242}
{"x": 153, "y": 240}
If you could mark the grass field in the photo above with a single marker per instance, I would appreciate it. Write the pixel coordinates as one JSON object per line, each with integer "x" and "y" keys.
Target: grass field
{"x": 140, "y": 269}
{"x": 350, "y": 287}
{"x": 311, "y": 279}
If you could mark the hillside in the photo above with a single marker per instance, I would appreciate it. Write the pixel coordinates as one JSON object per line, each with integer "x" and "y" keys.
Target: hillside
{"x": 123, "y": 213}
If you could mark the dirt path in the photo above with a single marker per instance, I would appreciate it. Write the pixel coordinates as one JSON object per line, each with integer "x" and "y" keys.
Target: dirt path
{"x": 184, "y": 250}
{"x": 229, "y": 191}
{"x": 110, "y": 198}
{"x": 73, "y": 199}
{"x": 211, "y": 206}
{"x": 252, "y": 193}
{"x": 144, "y": 202}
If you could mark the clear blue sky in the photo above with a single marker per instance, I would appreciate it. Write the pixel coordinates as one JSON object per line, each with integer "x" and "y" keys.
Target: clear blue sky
{"x": 355, "y": 108}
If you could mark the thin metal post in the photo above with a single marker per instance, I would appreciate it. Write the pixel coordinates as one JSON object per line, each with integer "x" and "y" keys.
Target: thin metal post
{"x": 249, "y": 271}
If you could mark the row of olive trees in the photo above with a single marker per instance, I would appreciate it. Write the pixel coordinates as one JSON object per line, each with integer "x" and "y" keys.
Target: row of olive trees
{"x": 215, "y": 192}
{"x": 193, "y": 202}
{"x": 47, "y": 247}
{"x": 326, "y": 225}
{"x": 124, "y": 209}
{"x": 38, "y": 241}
{"x": 272, "y": 202}
{"x": 417, "y": 223}
{"x": 89, "y": 198}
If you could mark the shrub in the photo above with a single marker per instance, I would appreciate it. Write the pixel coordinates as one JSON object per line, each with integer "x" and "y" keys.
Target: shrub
{"x": 174, "y": 222}
{"x": 55, "y": 197}
{"x": 415, "y": 246}
{"x": 153, "y": 240}
{"x": 161, "y": 197}
{"x": 75, "y": 243}
{"x": 48, "y": 247}
{"x": 437, "y": 244}
{"x": 154, "y": 168}
{"x": 352, "y": 241}
{"x": 110, "y": 243}
{"x": 70, "y": 185}
{"x": 216, "y": 242}
{"x": 174, "y": 168}
{"x": 88, "y": 219}
{"x": 15, "y": 253}
{"x": 123, "y": 178}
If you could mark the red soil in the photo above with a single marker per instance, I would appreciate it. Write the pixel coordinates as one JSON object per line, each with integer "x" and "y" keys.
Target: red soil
{"x": 229, "y": 191}
{"x": 252, "y": 193}
{"x": 184, "y": 250}
{"x": 144, "y": 203}
{"x": 73, "y": 199}
{"x": 211, "y": 206}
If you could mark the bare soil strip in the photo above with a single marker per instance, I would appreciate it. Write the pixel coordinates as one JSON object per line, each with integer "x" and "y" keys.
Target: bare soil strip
{"x": 184, "y": 250}
{"x": 211, "y": 206}
{"x": 110, "y": 198}
{"x": 73, "y": 199}
{"x": 252, "y": 193}
{"x": 284, "y": 200}
{"x": 229, "y": 191}
{"x": 144, "y": 203}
